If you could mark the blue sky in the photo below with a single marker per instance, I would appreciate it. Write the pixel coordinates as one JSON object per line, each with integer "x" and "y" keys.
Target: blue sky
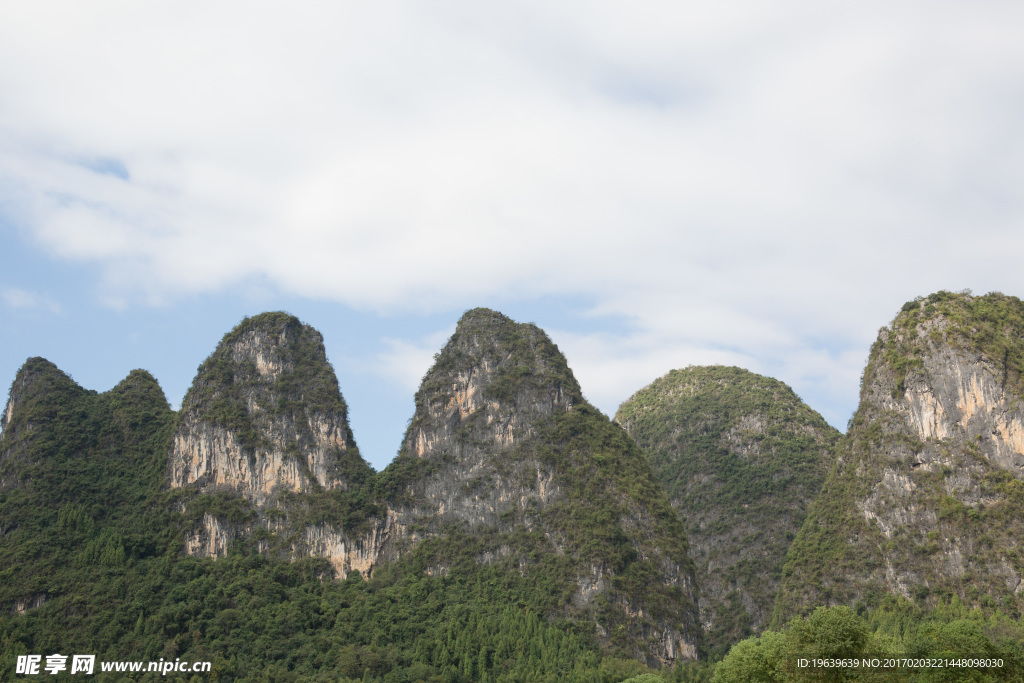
{"x": 656, "y": 185}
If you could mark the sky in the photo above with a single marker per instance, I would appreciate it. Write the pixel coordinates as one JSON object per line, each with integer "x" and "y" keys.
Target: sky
{"x": 656, "y": 184}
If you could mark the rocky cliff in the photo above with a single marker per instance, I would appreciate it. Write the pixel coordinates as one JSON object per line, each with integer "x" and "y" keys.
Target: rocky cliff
{"x": 741, "y": 457}
{"x": 927, "y": 498}
{"x": 504, "y": 449}
{"x": 264, "y": 447}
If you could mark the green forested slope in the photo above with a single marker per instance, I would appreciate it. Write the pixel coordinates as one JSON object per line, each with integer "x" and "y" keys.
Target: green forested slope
{"x": 741, "y": 457}
{"x": 81, "y": 485}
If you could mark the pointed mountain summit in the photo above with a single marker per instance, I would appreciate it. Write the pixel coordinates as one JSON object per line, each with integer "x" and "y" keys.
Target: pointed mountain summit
{"x": 76, "y": 468}
{"x": 265, "y": 413}
{"x": 41, "y": 423}
{"x": 494, "y": 386}
{"x": 503, "y": 449}
{"x": 138, "y": 402}
{"x": 927, "y": 499}
{"x": 741, "y": 457}
{"x": 262, "y": 435}
{"x": 495, "y": 377}
{"x": 51, "y": 422}
{"x": 39, "y": 401}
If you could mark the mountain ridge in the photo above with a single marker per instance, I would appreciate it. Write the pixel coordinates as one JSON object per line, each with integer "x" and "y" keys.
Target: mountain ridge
{"x": 505, "y": 471}
{"x": 515, "y": 511}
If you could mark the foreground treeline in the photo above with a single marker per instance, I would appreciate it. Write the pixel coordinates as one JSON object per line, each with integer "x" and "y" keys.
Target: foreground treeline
{"x": 944, "y": 644}
{"x": 258, "y": 620}
{"x": 262, "y": 620}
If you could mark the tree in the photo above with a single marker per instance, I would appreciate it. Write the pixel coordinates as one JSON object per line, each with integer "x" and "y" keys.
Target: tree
{"x": 758, "y": 659}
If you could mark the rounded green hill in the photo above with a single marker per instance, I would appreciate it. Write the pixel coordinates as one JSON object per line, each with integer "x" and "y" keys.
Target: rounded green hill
{"x": 741, "y": 457}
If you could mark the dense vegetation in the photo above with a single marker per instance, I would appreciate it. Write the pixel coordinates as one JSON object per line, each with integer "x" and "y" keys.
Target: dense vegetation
{"x": 741, "y": 457}
{"x": 266, "y": 620}
{"x": 606, "y": 481}
{"x": 82, "y": 476}
{"x": 897, "y": 630}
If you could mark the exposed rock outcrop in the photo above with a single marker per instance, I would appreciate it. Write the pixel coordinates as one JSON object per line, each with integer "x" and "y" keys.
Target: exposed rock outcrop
{"x": 264, "y": 414}
{"x": 25, "y": 604}
{"x": 741, "y": 457}
{"x": 927, "y": 500}
{"x": 503, "y": 446}
{"x": 492, "y": 388}
{"x": 264, "y": 421}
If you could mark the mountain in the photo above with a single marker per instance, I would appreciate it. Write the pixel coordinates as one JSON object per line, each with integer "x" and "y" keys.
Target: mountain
{"x": 263, "y": 451}
{"x": 503, "y": 454}
{"x": 78, "y": 475}
{"x": 519, "y": 535}
{"x": 742, "y": 458}
{"x": 926, "y": 500}
{"x": 503, "y": 448}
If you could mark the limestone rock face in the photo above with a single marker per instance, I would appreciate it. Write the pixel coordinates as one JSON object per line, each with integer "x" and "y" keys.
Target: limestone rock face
{"x": 503, "y": 447}
{"x": 264, "y": 424}
{"x": 927, "y": 500}
{"x": 263, "y": 414}
{"x": 957, "y": 392}
{"x": 493, "y": 387}
{"x": 742, "y": 458}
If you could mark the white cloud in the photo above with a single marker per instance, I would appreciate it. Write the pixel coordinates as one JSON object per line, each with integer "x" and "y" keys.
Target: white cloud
{"x": 20, "y": 298}
{"x": 743, "y": 181}
{"x": 610, "y": 368}
{"x": 405, "y": 362}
